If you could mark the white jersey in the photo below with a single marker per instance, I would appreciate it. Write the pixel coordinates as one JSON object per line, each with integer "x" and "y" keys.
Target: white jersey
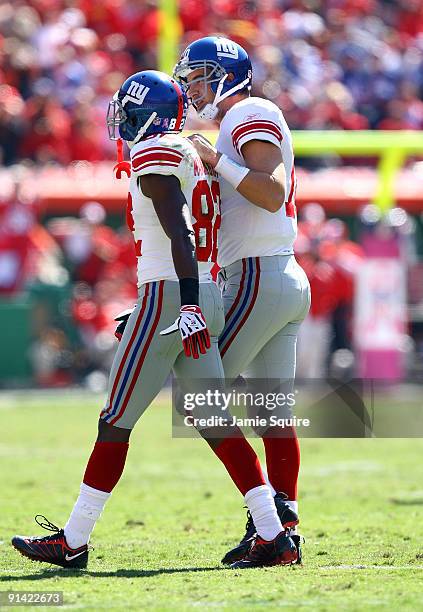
{"x": 247, "y": 230}
{"x": 172, "y": 154}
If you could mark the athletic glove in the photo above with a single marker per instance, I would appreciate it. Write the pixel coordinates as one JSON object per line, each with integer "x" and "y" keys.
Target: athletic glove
{"x": 193, "y": 329}
{"x": 122, "y": 317}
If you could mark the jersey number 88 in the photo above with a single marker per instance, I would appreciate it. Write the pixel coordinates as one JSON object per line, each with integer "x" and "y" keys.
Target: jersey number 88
{"x": 206, "y": 217}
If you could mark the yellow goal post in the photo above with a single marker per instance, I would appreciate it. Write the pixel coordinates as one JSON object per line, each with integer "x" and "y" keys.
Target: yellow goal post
{"x": 391, "y": 147}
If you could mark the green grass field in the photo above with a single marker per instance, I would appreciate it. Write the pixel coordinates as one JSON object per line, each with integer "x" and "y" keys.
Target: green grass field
{"x": 175, "y": 512}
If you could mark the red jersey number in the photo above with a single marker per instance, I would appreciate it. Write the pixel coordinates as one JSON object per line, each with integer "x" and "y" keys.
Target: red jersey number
{"x": 206, "y": 212}
{"x": 131, "y": 225}
{"x": 291, "y": 209}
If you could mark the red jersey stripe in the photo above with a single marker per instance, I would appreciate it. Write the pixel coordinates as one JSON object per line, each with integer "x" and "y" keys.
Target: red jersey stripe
{"x": 255, "y": 126}
{"x": 159, "y": 148}
{"x": 155, "y": 159}
{"x": 255, "y": 129}
{"x": 158, "y": 153}
{"x": 155, "y": 165}
{"x": 249, "y": 124}
{"x": 262, "y": 131}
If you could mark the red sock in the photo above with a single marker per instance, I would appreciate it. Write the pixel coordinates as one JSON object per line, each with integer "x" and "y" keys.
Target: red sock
{"x": 105, "y": 466}
{"x": 283, "y": 461}
{"x": 241, "y": 462}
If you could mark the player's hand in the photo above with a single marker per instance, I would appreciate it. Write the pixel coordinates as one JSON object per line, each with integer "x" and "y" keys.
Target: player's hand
{"x": 205, "y": 149}
{"x": 193, "y": 329}
{"x": 122, "y": 318}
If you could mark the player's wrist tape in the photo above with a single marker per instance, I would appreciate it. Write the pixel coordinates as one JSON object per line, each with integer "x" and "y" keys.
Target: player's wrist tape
{"x": 189, "y": 289}
{"x": 230, "y": 170}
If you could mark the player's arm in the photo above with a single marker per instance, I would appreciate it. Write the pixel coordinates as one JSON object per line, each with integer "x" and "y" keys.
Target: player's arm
{"x": 261, "y": 181}
{"x": 173, "y": 213}
{"x": 264, "y": 185}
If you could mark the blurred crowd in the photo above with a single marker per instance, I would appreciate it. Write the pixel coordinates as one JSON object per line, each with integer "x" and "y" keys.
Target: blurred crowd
{"x": 329, "y": 64}
{"x": 78, "y": 273}
{"x": 335, "y": 264}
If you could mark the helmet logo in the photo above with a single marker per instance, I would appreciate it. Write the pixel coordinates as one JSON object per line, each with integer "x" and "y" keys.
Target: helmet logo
{"x": 226, "y": 48}
{"x": 185, "y": 55}
{"x": 136, "y": 93}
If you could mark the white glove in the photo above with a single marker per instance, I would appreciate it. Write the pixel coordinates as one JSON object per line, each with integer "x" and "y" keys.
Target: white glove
{"x": 122, "y": 317}
{"x": 193, "y": 329}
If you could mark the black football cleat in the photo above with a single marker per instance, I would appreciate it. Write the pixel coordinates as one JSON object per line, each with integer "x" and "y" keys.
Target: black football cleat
{"x": 287, "y": 516}
{"x": 237, "y": 553}
{"x": 280, "y": 551}
{"x": 52, "y": 548}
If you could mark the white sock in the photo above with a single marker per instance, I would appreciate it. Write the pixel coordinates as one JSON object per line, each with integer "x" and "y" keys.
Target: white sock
{"x": 85, "y": 514}
{"x": 292, "y": 504}
{"x": 269, "y": 484}
{"x": 263, "y": 510}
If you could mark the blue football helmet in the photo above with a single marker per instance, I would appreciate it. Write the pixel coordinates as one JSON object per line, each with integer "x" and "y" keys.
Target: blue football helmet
{"x": 149, "y": 102}
{"x": 216, "y": 56}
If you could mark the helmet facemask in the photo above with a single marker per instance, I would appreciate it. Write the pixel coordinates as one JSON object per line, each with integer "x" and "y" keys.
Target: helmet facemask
{"x": 212, "y": 74}
{"x": 116, "y": 115}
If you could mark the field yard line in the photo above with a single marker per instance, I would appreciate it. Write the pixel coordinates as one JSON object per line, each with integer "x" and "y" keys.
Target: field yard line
{"x": 354, "y": 465}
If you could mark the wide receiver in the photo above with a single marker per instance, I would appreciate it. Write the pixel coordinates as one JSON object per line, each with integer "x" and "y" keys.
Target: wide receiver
{"x": 266, "y": 293}
{"x": 168, "y": 189}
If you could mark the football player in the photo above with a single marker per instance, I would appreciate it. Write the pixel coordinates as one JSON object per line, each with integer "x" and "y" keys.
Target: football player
{"x": 168, "y": 190}
{"x": 266, "y": 293}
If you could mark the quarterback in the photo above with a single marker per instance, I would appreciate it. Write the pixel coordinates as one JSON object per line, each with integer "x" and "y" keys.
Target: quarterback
{"x": 266, "y": 293}
{"x": 173, "y": 212}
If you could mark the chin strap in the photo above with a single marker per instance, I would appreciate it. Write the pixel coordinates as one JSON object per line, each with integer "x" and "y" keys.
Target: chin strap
{"x": 210, "y": 110}
{"x": 122, "y": 165}
{"x": 144, "y": 128}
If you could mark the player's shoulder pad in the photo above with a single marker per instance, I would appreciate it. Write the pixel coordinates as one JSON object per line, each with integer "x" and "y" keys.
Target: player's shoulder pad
{"x": 162, "y": 154}
{"x": 255, "y": 118}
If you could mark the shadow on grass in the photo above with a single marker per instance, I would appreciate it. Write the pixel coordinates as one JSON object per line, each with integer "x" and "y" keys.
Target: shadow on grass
{"x": 120, "y": 573}
{"x": 407, "y": 502}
